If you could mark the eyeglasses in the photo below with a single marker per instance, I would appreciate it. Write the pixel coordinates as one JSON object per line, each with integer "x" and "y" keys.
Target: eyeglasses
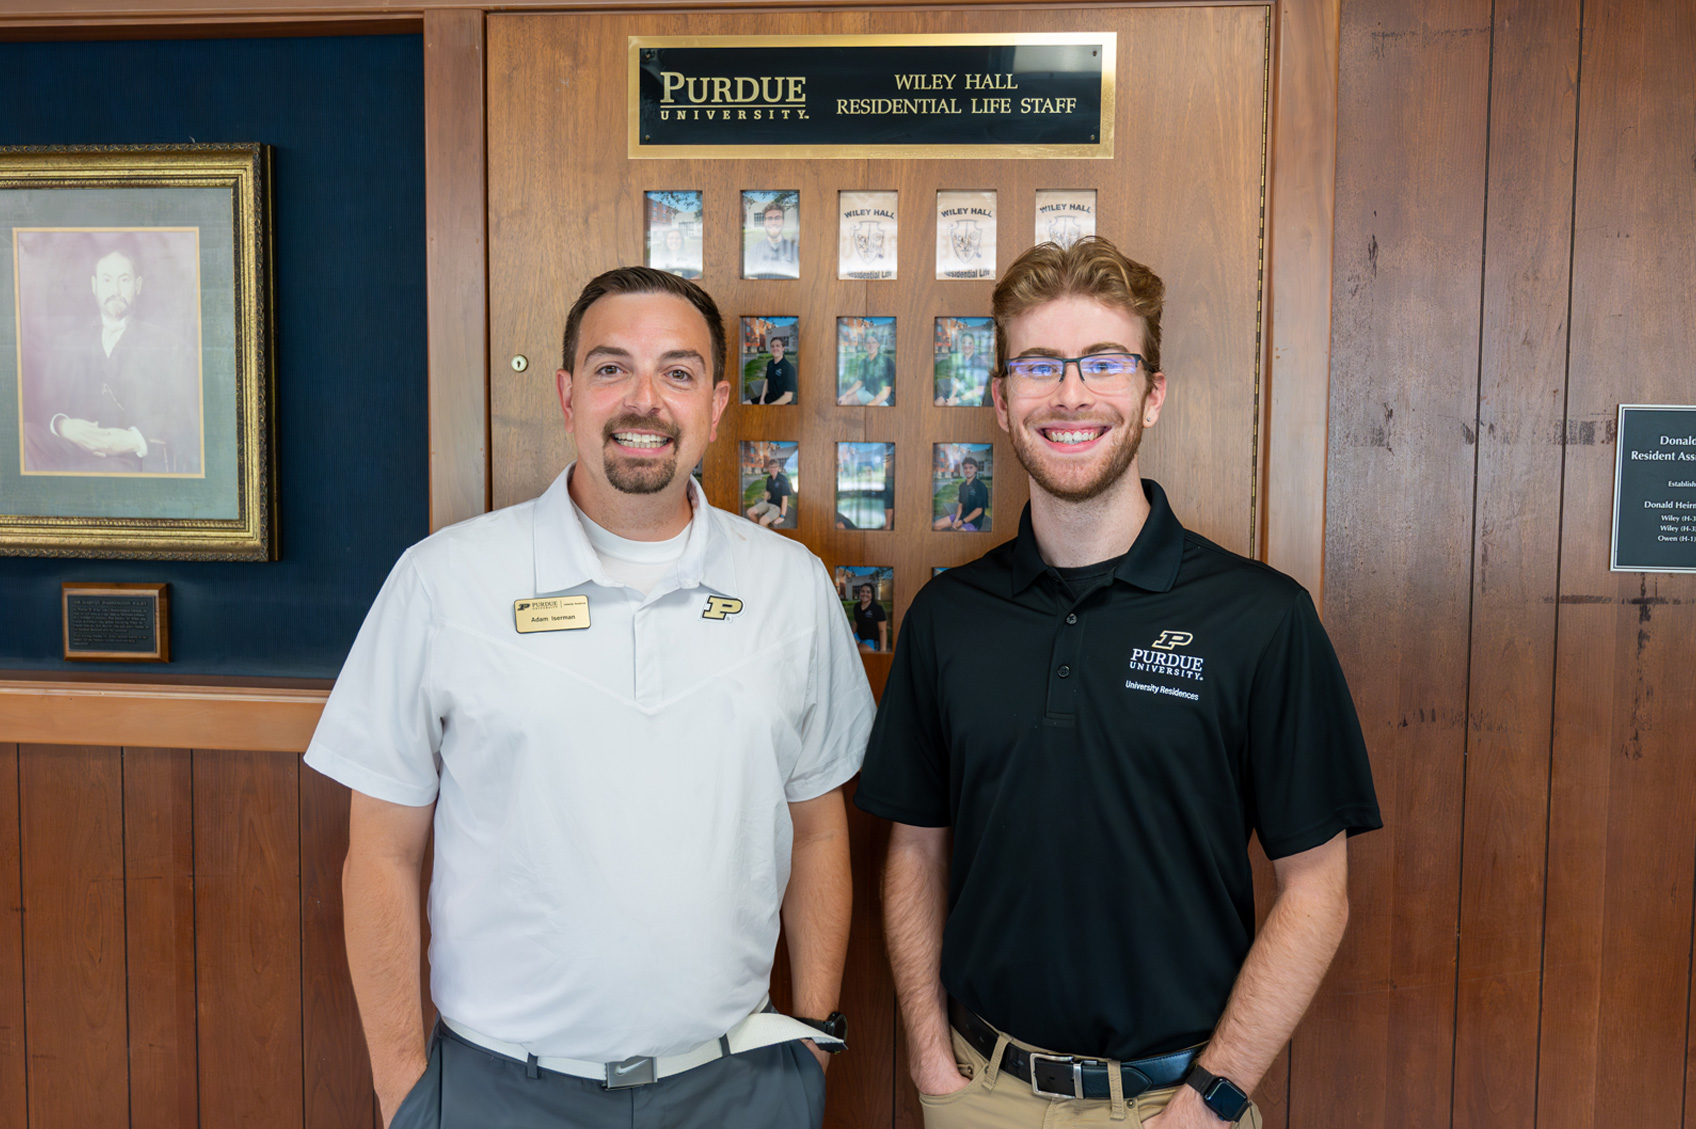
{"x": 1105, "y": 372}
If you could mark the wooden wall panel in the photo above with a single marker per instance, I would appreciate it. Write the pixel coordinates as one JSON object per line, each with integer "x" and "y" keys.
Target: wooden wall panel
{"x": 247, "y": 906}
{"x": 1516, "y": 543}
{"x": 14, "y": 1084}
{"x": 337, "y": 1068}
{"x": 159, "y": 935}
{"x": 1623, "y": 813}
{"x": 1377, "y": 1047}
{"x": 71, "y": 836}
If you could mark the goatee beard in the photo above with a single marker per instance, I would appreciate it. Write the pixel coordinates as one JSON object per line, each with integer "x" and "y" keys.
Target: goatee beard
{"x": 1120, "y": 456}
{"x": 647, "y": 476}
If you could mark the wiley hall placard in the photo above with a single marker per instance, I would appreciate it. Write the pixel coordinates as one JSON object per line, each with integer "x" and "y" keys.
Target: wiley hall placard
{"x": 1019, "y": 95}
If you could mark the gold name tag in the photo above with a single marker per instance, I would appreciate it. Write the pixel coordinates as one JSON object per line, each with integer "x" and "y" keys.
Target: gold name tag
{"x": 551, "y": 613}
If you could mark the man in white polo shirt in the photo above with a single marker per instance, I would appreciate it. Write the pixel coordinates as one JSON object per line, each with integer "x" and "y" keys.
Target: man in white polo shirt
{"x": 628, "y": 717}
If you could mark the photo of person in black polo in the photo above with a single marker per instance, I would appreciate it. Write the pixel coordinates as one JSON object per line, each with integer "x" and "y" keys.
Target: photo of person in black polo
{"x": 868, "y": 596}
{"x": 1069, "y": 899}
{"x": 770, "y": 488}
{"x": 961, "y": 495}
{"x": 768, "y": 360}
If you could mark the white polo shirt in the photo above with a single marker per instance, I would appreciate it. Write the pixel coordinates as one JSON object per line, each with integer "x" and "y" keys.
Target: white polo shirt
{"x": 612, "y": 830}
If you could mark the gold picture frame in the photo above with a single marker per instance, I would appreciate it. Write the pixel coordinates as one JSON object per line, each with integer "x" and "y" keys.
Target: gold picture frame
{"x": 136, "y": 376}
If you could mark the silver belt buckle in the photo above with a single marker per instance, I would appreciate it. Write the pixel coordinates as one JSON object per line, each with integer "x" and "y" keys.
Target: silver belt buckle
{"x": 636, "y": 1071}
{"x": 1061, "y": 1060}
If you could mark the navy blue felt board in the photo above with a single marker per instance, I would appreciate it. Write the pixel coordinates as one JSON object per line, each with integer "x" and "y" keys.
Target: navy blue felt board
{"x": 346, "y": 119}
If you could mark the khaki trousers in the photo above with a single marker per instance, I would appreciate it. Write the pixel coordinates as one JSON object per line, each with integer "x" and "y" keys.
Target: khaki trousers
{"x": 992, "y": 1100}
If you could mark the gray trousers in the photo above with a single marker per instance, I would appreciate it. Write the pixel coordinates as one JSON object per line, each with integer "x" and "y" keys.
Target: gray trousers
{"x": 467, "y": 1087}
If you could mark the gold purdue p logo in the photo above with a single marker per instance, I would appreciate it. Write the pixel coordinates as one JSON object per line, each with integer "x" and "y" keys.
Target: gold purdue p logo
{"x": 718, "y": 607}
{"x": 1171, "y": 639}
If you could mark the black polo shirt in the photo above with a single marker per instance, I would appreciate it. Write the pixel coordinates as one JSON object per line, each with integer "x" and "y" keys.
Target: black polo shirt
{"x": 866, "y": 620}
{"x": 1103, "y": 759}
{"x": 974, "y": 495}
{"x": 777, "y": 487}
{"x": 780, "y": 378}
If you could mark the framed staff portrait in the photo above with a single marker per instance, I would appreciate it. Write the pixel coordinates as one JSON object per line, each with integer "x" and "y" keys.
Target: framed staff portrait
{"x": 867, "y": 593}
{"x": 771, "y": 482}
{"x": 865, "y": 362}
{"x": 673, "y": 236}
{"x": 962, "y": 487}
{"x": 865, "y": 485}
{"x": 771, "y": 348}
{"x": 771, "y": 234}
{"x": 965, "y": 350}
{"x": 135, "y": 339}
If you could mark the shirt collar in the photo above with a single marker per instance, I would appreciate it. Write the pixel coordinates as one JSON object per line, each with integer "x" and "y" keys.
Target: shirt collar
{"x": 1151, "y": 563}
{"x": 564, "y": 558}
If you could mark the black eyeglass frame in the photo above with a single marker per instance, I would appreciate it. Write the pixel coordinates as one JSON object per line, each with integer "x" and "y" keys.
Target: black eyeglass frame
{"x": 1065, "y": 362}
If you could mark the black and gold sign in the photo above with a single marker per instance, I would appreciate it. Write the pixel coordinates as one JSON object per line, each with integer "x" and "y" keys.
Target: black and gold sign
{"x": 121, "y": 622}
{"x": 983, "y": 95}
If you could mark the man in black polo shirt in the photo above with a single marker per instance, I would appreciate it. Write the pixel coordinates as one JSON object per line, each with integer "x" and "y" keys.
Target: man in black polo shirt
{"x": 971, "y": 507}
{"x": 1068, "y": 883}
{"x": 780, "y": 376}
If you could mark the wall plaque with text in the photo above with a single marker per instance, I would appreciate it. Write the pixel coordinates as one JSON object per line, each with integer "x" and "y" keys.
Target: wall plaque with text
{"x": 1655, "y": 489}
{"x": 115, "y": 622}
{"x": 970, "y": 95}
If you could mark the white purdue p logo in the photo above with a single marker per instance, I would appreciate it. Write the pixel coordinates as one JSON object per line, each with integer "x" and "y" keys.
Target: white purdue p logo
{"x": 718, "y": 607}
{"x": 1171, "y": 639}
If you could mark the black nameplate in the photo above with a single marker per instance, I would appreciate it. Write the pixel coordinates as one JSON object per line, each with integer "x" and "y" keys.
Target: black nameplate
{"x": 1655, "y": 489}
{"x": 977, "y": 95}
{"x": 115, "y": 622}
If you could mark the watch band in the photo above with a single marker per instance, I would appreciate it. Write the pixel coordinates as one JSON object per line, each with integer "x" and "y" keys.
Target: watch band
{"x": 1219, "y": 1094}
{"x": 835, "y": 1025}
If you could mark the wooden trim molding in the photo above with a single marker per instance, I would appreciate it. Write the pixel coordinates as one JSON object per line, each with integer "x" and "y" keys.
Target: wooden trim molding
{"x": 1302, "y": 207}
{"x": 169, "y": 716}
{"x": 457, "y": 256}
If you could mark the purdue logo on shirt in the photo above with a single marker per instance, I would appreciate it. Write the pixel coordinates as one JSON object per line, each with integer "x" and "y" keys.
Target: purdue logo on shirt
{"x": 719, "y": 607}
{"x": 1172, "y": 639}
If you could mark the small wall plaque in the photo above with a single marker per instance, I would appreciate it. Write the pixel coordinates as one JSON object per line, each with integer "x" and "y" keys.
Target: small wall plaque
{"x": 1655, "y": 489}
{"x": 116, "y": 622}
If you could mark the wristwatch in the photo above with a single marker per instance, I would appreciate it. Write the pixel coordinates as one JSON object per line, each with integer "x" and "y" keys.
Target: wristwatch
{"x": 1221, "y": 1095}
{"x": 835, "y": 1025}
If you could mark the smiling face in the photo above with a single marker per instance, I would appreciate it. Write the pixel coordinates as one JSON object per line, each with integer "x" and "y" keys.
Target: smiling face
{"x": 774, "y": 223}
{"x": 116, "y": 285}
{"x": 777, "y": 348}
{"x": 640, "y": 401}
{"x": 865, "y": 595}
{"x": 1075, "y": 441}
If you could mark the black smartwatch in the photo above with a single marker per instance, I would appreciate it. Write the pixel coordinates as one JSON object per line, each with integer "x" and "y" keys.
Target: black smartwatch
{"x": 1221, "y": 1095}
{"x": 835, "y": 1025}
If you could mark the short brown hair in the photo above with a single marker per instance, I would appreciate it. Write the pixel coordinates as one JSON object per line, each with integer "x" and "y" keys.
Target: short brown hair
{"x": 1090, "y": 268}
{"x": 644, "y": 280}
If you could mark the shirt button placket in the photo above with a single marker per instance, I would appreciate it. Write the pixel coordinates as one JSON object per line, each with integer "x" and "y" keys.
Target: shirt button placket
{"x": 1062, "y": 687}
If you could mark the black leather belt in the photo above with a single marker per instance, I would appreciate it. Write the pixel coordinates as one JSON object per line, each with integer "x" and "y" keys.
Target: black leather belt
{"x": 1068, "y": 1076}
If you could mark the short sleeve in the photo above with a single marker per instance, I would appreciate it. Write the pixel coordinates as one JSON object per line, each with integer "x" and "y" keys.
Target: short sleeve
{"x": 837, "y": 714}
{"x": 906, "y": 774}
{"x": 1307, "y": 758}
{"x": 379, "y": 733}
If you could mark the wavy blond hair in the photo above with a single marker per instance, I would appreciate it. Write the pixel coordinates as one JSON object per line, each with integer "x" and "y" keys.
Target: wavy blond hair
{"x": 1090, "y": 268}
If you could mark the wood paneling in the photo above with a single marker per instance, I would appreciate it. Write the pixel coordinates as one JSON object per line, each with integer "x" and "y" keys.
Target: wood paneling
{"x": 159, "y": 937}
{"x": 337, "y": 1069}
{"x": 71, "y": 841}
{"x": 1515, "y": 565}
{"x": 14, "y": 1084}
{"x": 247, "y": 906}
{"x": 159, "y": 715}
{"x": 1301, "y": 203}
{"x": 1622, "y": 820}
{"x": 1378, "y": 1047}
{"x": 456, "y": 216}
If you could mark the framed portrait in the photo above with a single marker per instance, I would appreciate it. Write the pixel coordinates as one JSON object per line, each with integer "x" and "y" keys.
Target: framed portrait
{"x": 771, "y": 234}
{"x": 672, "y": 240}
{"x": 865, "y": 485}
{"x": 865, "y": 362}
{"x": 135, "y": 353}
{"x": 965, "y": 349}
{"x": 962, "y": 487}
{"x": 867, "y": 593}
{"x": 771, "y": 348}
{"x": 771, "y": 482}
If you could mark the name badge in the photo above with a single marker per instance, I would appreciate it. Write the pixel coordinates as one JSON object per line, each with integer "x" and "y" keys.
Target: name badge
{"x": 551, "y": 613}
